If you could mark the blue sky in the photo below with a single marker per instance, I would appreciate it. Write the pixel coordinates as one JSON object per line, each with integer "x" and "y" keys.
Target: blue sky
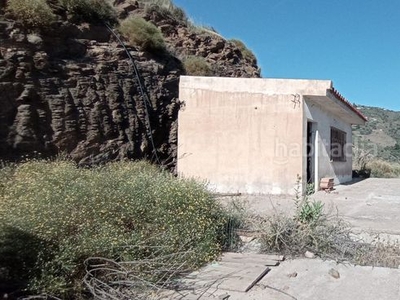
{"x": 352, "y": 42}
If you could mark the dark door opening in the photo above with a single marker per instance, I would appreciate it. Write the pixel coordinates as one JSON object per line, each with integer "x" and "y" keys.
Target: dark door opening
{"x": 310, "y": 153}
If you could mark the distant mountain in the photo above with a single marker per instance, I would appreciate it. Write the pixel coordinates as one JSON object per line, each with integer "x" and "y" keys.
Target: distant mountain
{"x": 381, "y": 135}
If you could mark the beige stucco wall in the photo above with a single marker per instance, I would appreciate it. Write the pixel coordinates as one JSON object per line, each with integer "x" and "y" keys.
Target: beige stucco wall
{"x": 340, "y": 171}
{"x": 240, "y": 136}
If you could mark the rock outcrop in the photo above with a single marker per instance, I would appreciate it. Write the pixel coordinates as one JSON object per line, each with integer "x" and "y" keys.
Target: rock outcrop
{"x": 73, "y": 89}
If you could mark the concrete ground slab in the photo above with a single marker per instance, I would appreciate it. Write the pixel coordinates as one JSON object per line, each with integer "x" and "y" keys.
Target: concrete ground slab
{"x": 313, "y": 281}
{"x": 292, "y": 279}
{"x": 370, "y": 205}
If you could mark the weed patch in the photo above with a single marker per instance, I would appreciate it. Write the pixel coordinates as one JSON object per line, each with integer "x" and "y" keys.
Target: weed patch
{"x": 329, "y": 237}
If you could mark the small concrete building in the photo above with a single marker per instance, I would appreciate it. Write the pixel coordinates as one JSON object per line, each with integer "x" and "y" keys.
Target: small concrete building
{"x": 256, "y": 136}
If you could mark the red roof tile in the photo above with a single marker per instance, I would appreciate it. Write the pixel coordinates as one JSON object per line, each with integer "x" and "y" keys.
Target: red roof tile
{"x": 347, "y": 103}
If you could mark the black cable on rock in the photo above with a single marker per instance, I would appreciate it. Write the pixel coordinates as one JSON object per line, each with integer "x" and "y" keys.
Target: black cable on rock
{"x": 143, "y": 92}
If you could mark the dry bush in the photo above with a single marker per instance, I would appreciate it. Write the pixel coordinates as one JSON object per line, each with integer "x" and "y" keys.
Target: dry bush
{"x": 328, "y": 238}
{"x": 383, "y": 169}
{"x": 142, "y": 33}
{"x": 55, "y": 215}
{"x": 35, "y": 13}
{"x": 379, "y": 253}
{"x": 197, "y": 66}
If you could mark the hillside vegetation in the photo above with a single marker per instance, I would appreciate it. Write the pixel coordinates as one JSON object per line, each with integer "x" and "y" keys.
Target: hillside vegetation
{"x": 381, "y": 131}
{"x": 377, "y": 144}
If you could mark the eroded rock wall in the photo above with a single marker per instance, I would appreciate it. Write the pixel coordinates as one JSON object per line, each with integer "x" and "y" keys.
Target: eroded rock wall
{"x": 72, "y": 89}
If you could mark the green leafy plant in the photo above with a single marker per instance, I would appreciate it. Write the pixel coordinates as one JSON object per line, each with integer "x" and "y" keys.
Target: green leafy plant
{"x": 197, "y": 66}
{"x": 35, "y": 13}
{"x": 307, "y": 211}
{"x": 310, "y": 189}
{"x": 142, "y": 33}
{"x": 310, "y": 211}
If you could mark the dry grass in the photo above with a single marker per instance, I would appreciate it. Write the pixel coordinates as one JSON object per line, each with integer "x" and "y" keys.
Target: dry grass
{"x": 150, "y": 275}
{"x": 383, "y": 169}
{"x": 329, "y": 238}
{"x": 309, "y": 228}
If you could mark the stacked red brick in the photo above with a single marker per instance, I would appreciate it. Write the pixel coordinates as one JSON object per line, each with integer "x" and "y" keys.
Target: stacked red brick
{"x": 327, "y": 184}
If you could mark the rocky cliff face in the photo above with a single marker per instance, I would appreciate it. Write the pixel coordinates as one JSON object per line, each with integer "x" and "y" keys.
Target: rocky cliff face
{"x": 71, "y": 88}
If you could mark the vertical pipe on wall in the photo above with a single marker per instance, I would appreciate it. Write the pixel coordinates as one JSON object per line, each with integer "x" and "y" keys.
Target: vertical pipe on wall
{"x": 316, "y": 158}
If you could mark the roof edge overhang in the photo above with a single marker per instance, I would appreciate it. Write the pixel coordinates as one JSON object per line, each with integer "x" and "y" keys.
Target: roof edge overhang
{"x": 331, "y": 101}
{"x": 342, "y": 99}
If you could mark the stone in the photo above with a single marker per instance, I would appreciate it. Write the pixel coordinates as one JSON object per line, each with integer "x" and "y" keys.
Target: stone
{"x": 40, "y": 60}
{"x": 334, "y": 273}
{"x": 218, "y": 45}
{"x": 34, "y": 39}
{"x": 309, "y": 254}
{"x": 225, "y": 296}
{"x": 292, "y": 275}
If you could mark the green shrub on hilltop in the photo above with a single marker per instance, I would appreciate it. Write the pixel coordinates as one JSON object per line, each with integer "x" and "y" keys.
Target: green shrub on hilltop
{"x": 38, "y": 13}
{"x": 54, "y": 215}
{"x": 144, "y": 34}
{"x": 35, "y": 13}
{"x": 90, "y": 10}
{"x": 167, "y": 9}
{"x": 197, "y": 66}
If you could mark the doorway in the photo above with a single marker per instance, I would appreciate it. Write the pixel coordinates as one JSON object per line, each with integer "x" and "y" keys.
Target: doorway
{"x": 311, "y": 151}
